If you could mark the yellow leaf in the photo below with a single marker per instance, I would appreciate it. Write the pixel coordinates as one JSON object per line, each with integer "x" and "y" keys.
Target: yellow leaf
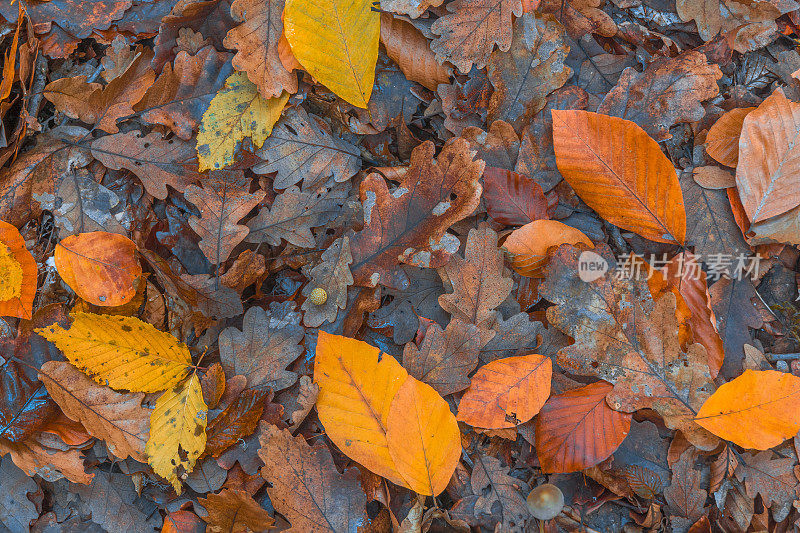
{"x": 121, "y": 352}
{"x": 420, "y": 416}
{"x": 237, "y": 112}
{"x": 178, "y": 423}
{"x": 356, "y": 386}
{"x": 758, "y": 410}
{"x": 336, "y": 41}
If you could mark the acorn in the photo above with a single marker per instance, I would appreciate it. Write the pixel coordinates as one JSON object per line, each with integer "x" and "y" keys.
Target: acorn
{"x": 546, "y": 501}
{"x": 318, "y": 296}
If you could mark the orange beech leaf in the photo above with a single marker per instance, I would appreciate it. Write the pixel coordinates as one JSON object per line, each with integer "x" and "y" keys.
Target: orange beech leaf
{"x": 407, "y": 47}
{"x": 722, "y": 141}
{"x": 419, "y": 415}
{"x": 100, "y": 267}
{"x": 757, "y": 410}
{"x": 577, "y": 429}
{"x": 768, "y": 173}
{"x": 18, "y": 274}
{"x": 620, "y": 172}
{"x": 506, "y": 392}
{"x": 527, "y": 246}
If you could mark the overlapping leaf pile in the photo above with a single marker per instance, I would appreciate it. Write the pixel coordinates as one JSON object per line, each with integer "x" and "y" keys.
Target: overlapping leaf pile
{"x": 354, "y": 266}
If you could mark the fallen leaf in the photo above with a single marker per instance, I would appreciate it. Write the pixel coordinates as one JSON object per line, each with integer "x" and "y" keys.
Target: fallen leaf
{"x": 757, "y": 410}
{"x": 605, "y": 157}
{"x": 493, "y": 488}
{"x": 771, "y": 477}
{"x": 121, "y": 352}
{"x": 223, "y": 200}
{"x": 527, "y": 246}
{"x": 307, "y": 488}
{"x": 16, "y": 510}
{"x": 705, "y": 13}
{"x": 177, "y": 424}
{"x": 410, "y": 49}
{"x": 19, "y": 274}
{"x": 468, "y": 32}
{"x": 506, "y": 392}
{"x": 733, "y": 307}
{"x": 713, "y": 177}
{"x": 722, "y": 140}
{"x": 412, "y": 8}
{"x": 766, "y": 178}
{"x": 110, "y": 500}
{"x": 331, "y": 275}
{"x": 256, "y": 41}
{"x": 337, "y": 43}
{"x": 237, "y": 112}
{"x": 235, "y": 511}
{"x": 581, "y": 17}
{"x": 511, "y": 198}
{"x": 50, "y": 465}
{"x": 684, "y": 494}
{"x": 577, "y": 429}
{"x": 116, "y": 418}
{"x": 100, "y": 267}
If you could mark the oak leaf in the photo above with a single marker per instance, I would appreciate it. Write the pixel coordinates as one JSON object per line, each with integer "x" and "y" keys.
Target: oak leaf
{"x": 263, "y": 349}
{"x": 333, "y": 276}
{"x": 223, "y": 200}
{"x": 757, "y": 410}
{"x": 110, "y": 500}
{"x": 506, "y": 392}
{"x": 771, "y": 477}
{"x": 409, "y": 225}
{"x": 412, "y": 8}
{"x": 306, "y": 486}
{"x": 511, "y": 198}
{"x": 16, "y": 510}
{"x": 580, "y": 17}
{"x": 256, "y": 41}
{"x": 117, "y": 418}
{"x": 156, "y": 161}
{"x": 722, "y": 140}
{"x": 19, "y": 274}
{"x": 577, "y": 429}
{"x": 121, "y": 352}
{"x": 50, "y": 464}
{"x": 766, "y": 175}
{"x": 235, "y": 511}
{"x": 605, "y": 158}
{"x": 705, "y": 13}
{"x": 410, "y": 49}
{"x": 479, "y": 283}
{"x": 527, "y": 246}
{"x": 177, "y": 431}
{"x": 684, "y": 494}
{"x": 468, "y": 33}
{"x": 669, "y": 91}
{"x": 337, "y": 43}
{"x": 100, "y": 267}
{"x": 236, "y": 113}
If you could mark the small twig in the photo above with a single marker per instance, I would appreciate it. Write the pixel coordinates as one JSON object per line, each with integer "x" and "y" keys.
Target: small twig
{"x": 773, "y": 357}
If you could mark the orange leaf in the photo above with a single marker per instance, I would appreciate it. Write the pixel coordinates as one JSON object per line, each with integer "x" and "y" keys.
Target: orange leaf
{"x": 722, "y": 141}
{"x": 620, "y": 172}
{"x": 768, "y": 174}
{"x": 528, "y": 245}
{"x": 577, "y": 429}
{"x": 507, "y": 392}
{"x": 100, "y": 267}
{"x": 757, "y": 410}
{"x": 419, "y": 415}
{"x": 19, "y": 272}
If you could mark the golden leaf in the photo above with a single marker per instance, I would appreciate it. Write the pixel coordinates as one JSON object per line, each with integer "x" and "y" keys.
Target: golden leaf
{"x": 237, "y": 112}
{"x": 336, "y": 41}
{"x": 121, "y": 352}
{"x": 178, "y": 423}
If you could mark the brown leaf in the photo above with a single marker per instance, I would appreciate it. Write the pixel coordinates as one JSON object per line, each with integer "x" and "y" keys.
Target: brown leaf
{"x": 771, "y": 477}
{"x": 468, "y": 33}
{"x": 479, "y": 282}
{"x": 184, "y": 89}
{"x": 446, "y": 357}
{"x": 306, "y": 487}
{"x": 237, "y": 421}
{"x": 156, "y": 161}
{"x": 767, "y": 176}
{"x": 577, "y": 429}
{"x": 110, "y": 500}
{"x": 493, "y": 488}
{"x": 50, "y": 464}
{"x": 511, "y": 198}
{"x": 498, "y": 147}
{"x": 684, "y": 495}
{"x": 705, "y": 13}
{"x": 235, "y": 511}
{"x": 256, "y": 42}
{"x": 116, "y": 418}
{"x": 118, "y": 58}
{"x": 409, "y": 225}
{"x": 713, "y": 177}
{"x": 533, "y": 68}
{"x": 722, "y": 140}
{"x": 213, "y": 385}
{"x": 267, "y": 344}
{"x": 223, "y": 201}
{"x": 79, "y": 18}
{"x": 332, "y": 275}
{"x": 407, "y": 47}
{"x": 581, "y": 17}
{"x": 412, "y": 8}
{"x": 305, "y": 402}
{"x": 733, "y": 306}
{"x": 668, "y": 92}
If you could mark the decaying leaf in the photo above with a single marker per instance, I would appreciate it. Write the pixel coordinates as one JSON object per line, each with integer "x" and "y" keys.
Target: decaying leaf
{"x": 722, "y": 141}
{"x": 333, "y": 276}
{"x": 527, "y": 246}
{"x": 235, "y": 511}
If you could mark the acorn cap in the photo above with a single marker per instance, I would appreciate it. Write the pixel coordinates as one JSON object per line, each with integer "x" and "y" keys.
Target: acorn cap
{"x": 546, "y": 501}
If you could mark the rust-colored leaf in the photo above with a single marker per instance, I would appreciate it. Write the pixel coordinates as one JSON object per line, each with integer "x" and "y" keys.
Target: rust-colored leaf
{"x": 512, "y": 198}
{"x": 722, "y": 140}
{"x": 407, "y": 47}
{"x": 235, "y": 511}
{"x": 237, "y": 421}
{"x": 528, "y": 246}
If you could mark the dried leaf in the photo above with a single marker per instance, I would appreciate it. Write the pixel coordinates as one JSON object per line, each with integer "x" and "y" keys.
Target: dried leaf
{"x": 606, "y": 157}
{"x": 512, "y": 199}
{"x": 577, "y": 429}
{"x": 722, "y": 140}
{"x": 235, "y": 511}
{"x": 713, "y": 177}
{"x": 410, "y": 49}
{"x": 19, "y": 274}
{"x": 706, "y": 13}
{"x": 16, "y": 510}
{"x": 110, "y": 499}
{"x": 333, "y": 276}
{"x": 684, "y": 494}
{"x": 491, "y": 484}
{"x": 527, "y": 246}
{"x": 100, "y": 267}
{"x": 773, "y": 478}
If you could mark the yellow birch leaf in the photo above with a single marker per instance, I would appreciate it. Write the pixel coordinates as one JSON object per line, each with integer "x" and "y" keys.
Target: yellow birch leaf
{"x": 237, "y": 112}
{"x": 178, "y": 423}
{"x": 121, "y": 352}
{"x": 336, "y": 41}
{"x": 356, "y": 386}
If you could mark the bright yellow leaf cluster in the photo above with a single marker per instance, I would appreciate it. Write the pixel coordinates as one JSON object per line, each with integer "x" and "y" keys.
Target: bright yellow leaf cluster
{"x": 126, "y": 353}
